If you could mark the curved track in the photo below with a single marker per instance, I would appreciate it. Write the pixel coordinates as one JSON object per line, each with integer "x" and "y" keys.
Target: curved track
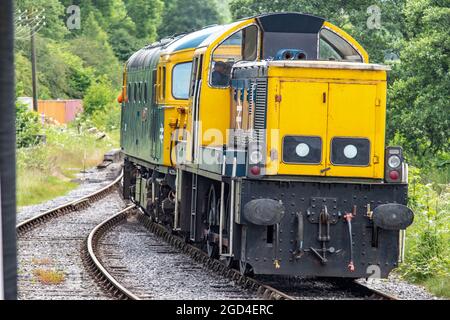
{"x": 50, "y": 263}
{"x": 72, "y": 206}
{"x": 113, "y": 286}
{"x": 107, "y": 281}
{"x": 261, "y": 288}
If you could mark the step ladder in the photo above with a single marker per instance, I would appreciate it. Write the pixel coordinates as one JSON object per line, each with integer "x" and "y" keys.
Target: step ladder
{"x": 194, "y": 207}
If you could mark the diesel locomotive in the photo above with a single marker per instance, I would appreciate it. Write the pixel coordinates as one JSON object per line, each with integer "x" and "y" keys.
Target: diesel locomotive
{"x": 263, "y": 142}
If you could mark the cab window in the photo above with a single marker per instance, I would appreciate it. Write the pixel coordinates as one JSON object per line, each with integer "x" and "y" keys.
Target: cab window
{"x": 181, "y": 76}
{"x": 242, "y": 45}
{"x": 334, "y": 47}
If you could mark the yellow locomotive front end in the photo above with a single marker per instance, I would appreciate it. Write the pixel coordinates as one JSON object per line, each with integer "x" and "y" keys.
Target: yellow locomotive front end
{"x": 321, "y": 193}
{"x": 321, "y": 118}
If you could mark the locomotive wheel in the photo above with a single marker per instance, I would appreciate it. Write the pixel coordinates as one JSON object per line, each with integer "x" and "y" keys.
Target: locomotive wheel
{"x": 245, "y": 269}
{"x": 211, "y": 247}
{"x": 229, "y": 262}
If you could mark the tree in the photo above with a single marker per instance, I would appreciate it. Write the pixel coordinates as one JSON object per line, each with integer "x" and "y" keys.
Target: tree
{"x": 94, "y": 48}
{"x": 419, "y": 97}
{"x": 99, "y": 95}
{"x": 27, "y": 127}
{"x": 351, "y": 15}
{"x": 54, "y": 16}
{"x": 182, "y": 16}
{"x": 146, "y": 15}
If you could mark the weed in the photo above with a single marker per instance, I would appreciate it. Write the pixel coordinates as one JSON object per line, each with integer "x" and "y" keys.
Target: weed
{"x": 49, "y": 277}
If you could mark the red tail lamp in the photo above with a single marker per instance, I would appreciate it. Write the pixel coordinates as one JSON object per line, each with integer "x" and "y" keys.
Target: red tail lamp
{"x": 394, "y": 175}
{"x": 255, "y": 170}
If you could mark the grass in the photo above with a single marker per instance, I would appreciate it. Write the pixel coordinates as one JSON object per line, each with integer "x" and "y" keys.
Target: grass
{"x": 39, "y": 187}
{"x": 439, "y": 286}
{"x": 47, "y": 171}
{"x": 49, "y": 277}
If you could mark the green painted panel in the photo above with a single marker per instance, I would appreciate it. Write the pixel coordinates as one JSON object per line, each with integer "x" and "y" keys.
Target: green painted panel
{"x": 142, "y": 119}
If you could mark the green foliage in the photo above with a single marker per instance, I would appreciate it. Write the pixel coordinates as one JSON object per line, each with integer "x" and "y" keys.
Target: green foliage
{"x": 178, "y": 16}
{"x": 419, "y": 97}
{"x": 22, "y": 72}
{"x": 54, "y": 16}
{"x": 27, "y": 127}
{"x": 352, "y": 16}
{"x": 94, "y": 48}
{"x": 428, "y": 253}
{"x": 53, "y": 165}
{"x": 98, "y": 96}
{"x": 147, "y": 16}
{"x": 101, "y": 109}
{"x": 63, "y": 72}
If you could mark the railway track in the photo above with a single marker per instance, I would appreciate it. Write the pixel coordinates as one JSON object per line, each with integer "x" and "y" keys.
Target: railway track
{"x": 111, "y": 285}
{"x": 107, "y": 281}
{"x": 69, "y": 207}
{"x": 50, "y": 264}
{"x": 263, "y": 290}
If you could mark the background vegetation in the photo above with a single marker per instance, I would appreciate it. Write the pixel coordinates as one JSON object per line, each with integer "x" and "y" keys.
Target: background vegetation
{"x": 413, "y": 37}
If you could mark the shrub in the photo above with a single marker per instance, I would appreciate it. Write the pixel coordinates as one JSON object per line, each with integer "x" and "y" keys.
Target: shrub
{"x": 27, "y": 127}
{"x": 427, "y": 252}
{"x": 98, "y": 96}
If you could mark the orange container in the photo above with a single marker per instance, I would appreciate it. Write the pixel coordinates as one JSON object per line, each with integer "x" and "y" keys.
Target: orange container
{"x": 62, "y": 111}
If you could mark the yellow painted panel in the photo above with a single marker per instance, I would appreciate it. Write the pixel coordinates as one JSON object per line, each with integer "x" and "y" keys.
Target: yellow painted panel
{"x": 215, "y": 102}
{"x": 351, "y": 113}
{"x": 337, "y": 75}
{"x": 303, "y": 112}
{"x": 174, "y": 109}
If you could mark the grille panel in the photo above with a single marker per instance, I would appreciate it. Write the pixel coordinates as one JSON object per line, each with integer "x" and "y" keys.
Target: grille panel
{"x": 260, "y": 112}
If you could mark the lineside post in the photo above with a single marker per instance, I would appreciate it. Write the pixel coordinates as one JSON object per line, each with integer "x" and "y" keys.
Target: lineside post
{"x": 8, "y": 259}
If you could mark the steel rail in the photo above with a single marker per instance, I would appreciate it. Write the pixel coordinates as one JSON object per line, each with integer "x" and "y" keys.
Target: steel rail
{"x": 377, "y": 293}
{"x": 112, "y": 285}
{"x": 69, "y": 207}
{"x": 265, "y": 291}
{"x": 105, "y": 279}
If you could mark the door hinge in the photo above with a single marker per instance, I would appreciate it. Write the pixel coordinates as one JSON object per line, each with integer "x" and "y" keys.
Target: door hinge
{"x": 378, "y": 102}
{"x": 324, "y": 97}
{"x": 278, "y": 98}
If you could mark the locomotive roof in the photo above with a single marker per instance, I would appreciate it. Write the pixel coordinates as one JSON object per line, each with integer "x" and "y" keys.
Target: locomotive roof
{"x": 290, "y": 22}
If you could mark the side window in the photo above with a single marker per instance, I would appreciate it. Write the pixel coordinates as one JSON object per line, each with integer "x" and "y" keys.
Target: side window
{"x": 181, "y": 76}
{"x": 250, "y": 43}
{"x": 146, "y": 92}
{"x": 327, "y": 52}
{"x": 135, "y": 91}
{"x": 154, "y": 82}
{"x": 129, "y": 93}
{"x": 242, "y": 45}
{"x": 334, "y": 47}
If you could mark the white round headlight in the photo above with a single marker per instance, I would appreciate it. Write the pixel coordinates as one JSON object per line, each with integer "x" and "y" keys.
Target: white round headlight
{"x": 256, "y": 157}
{"x": 394, "y": 162}
{"x": 350, "y": 151}
{"x": 302, "y": 150}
